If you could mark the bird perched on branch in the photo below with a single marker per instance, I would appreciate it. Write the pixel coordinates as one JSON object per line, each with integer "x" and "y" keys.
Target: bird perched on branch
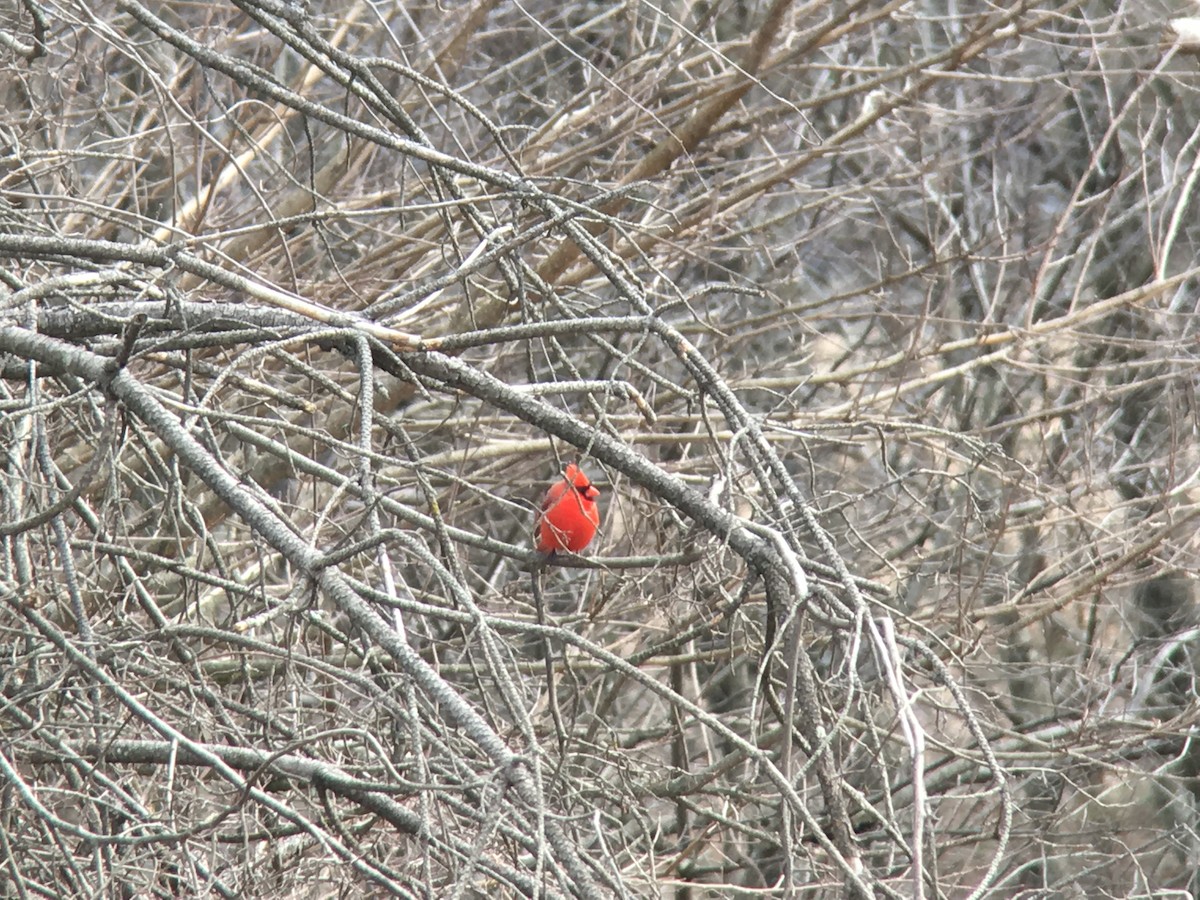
{"x": 570, "y": 515}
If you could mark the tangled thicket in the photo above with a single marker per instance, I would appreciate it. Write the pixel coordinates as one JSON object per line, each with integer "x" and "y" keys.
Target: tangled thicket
{"x": 874, "y": 320}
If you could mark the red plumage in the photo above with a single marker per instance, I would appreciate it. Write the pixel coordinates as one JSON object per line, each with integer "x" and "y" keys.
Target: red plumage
{"x": 570, "y": 515}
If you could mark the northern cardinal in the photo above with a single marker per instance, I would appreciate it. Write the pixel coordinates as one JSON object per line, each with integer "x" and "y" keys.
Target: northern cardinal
{"x": 570, "y": 515}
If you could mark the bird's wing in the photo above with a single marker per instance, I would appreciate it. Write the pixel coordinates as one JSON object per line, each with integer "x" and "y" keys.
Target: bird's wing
{"x": 554, "y": 493}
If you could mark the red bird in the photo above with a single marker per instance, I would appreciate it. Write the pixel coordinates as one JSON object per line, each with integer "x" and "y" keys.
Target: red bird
{"x": 570, "y": 515}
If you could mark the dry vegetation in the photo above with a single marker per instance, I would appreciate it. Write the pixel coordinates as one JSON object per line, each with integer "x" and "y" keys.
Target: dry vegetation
{"x": 875, "y": 321}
